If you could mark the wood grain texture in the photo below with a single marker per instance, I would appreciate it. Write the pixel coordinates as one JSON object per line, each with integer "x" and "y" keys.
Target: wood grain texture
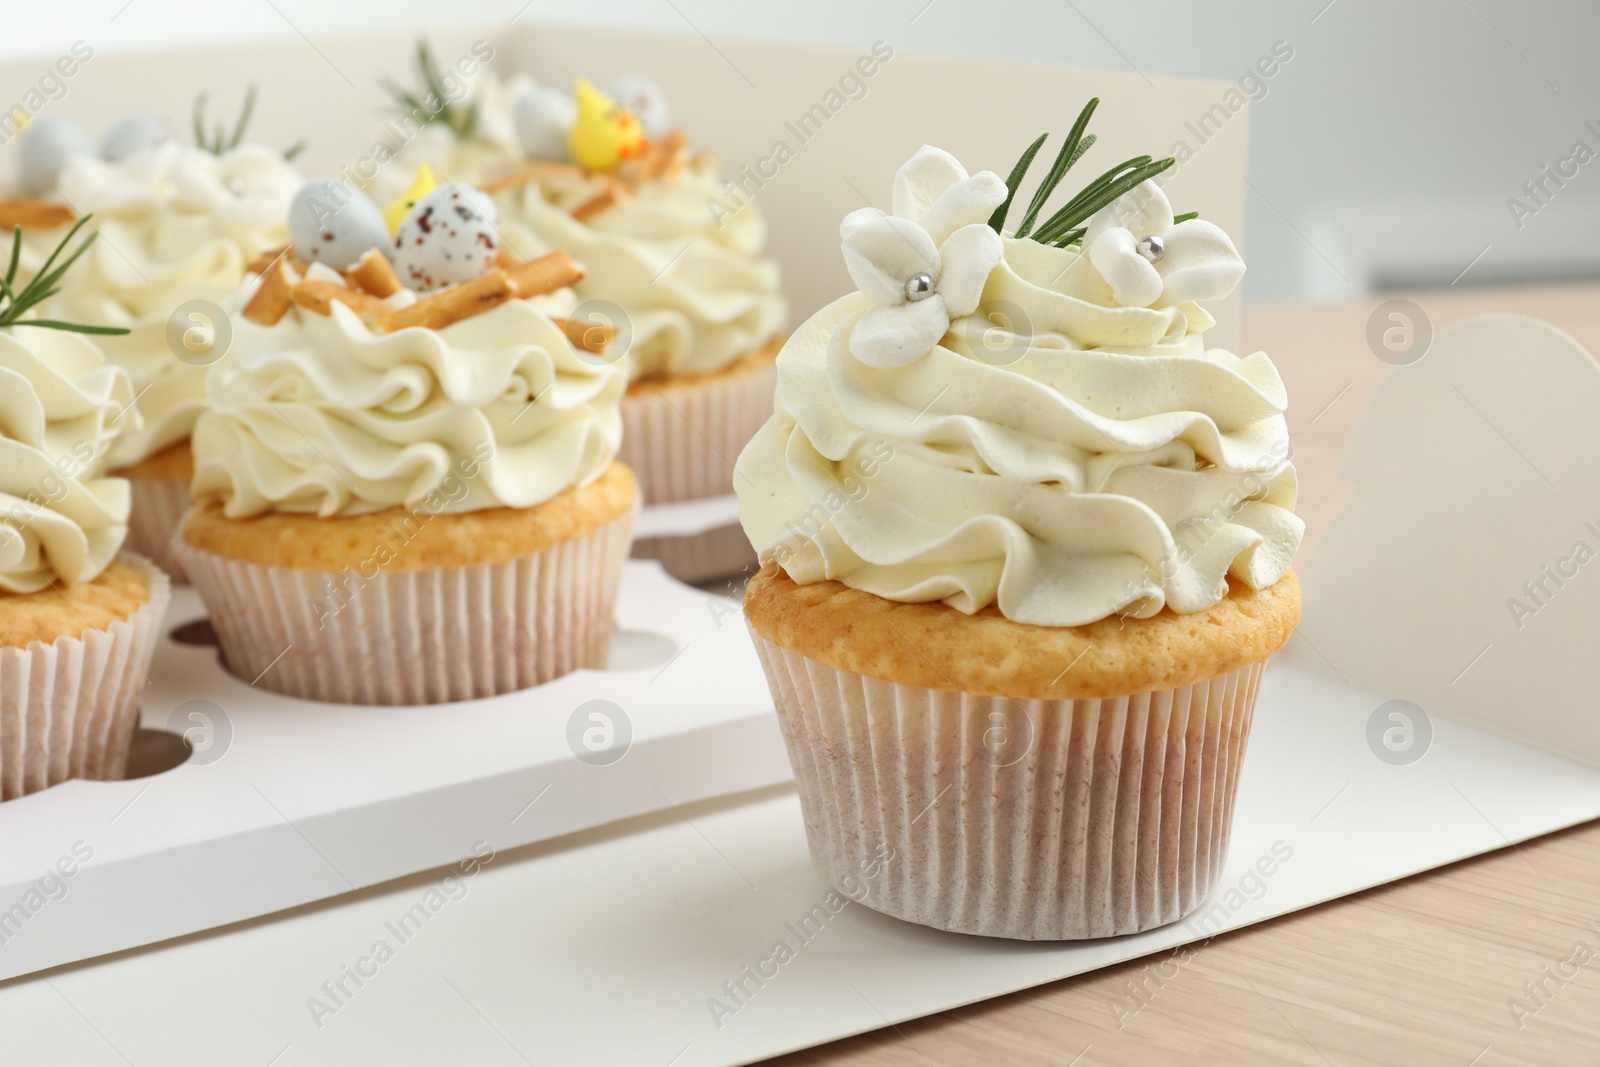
{"x": 1419, "y": 972}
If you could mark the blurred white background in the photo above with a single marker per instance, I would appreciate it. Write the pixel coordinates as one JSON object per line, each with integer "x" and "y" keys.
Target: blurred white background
{"x": 1386, "y": 152}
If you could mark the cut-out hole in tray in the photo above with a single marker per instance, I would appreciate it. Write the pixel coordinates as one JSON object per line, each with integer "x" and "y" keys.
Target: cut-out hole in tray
{"x": 150, "y": 752}
{"x": 155, "y": 752}
{"x": 197, "y": 632}
{"x": 631, "y": 650}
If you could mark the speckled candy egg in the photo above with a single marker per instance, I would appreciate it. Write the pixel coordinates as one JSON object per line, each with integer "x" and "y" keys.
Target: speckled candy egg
{"x": 46, "y": 144}
{"x": 450, "y": 236}
{"x": 544, "y": 117}
{"x": 331, "y": 223}
{"x": 645, "y": 99}
{"x": 133, "y": 134}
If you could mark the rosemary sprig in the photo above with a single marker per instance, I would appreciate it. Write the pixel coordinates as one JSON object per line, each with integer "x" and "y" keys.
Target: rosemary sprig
{"x": 1065, "y": 227}
{"x": 15, "y": 304}
{"x": 221, "y": 140}
{"x": 462, "y": 121}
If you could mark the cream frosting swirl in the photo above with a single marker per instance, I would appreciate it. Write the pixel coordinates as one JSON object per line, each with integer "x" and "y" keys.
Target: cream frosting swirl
{"x": 62, "y": 407}
{"x": 1053, "y": 454}
{"x": 694, "y": 289}
{"x": 319, "y": 414}
{"x": 176, "y": 224}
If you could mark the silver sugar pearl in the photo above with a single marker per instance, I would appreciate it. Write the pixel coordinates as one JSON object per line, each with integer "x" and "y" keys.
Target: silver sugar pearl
{"x": 1151, "y": 248}
{"x": 919, "y": 287}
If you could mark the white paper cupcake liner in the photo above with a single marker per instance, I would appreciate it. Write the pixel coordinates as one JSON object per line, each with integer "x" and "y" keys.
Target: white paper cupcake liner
{"x": 416, "y": 637}
{"x": 682, "y": 444}
{"x": 158, "y": 507}
{"x": 69, "y": 709}
{"x": 1080, "y": 818}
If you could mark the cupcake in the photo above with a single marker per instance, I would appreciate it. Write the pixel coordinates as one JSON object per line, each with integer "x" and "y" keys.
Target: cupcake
{"x": 178, "y": 225}
{"x": 406, "y": 488}
{"x": 1026, "y": 548}
{"x": 78, "y": 621}
{"x": 604, "y": 177}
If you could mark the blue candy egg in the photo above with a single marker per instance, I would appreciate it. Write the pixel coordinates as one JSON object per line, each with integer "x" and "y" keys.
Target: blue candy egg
{"x": 331, "y": 223}
{"x": 46, "y": 145}
{"x": 133, "y": 134}
{"x": 544, "y": 117}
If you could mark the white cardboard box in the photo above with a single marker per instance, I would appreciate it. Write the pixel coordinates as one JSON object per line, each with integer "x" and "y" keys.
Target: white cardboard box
{"x": 612, "y": 945}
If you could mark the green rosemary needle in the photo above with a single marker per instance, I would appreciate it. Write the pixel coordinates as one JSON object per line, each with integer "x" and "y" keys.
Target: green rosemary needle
{"x": 16, "y": 303}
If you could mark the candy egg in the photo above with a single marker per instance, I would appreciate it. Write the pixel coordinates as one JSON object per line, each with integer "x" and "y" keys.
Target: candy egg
{"x": 132, "y": 134}
{"x": 331, "y": 223}
{"x": 544, "y": 118}
{"x": 483, "y": 203}
{"x": 450, "y": 236}
{"x": 46, "y": 144}
{"x": 645, "y": 99}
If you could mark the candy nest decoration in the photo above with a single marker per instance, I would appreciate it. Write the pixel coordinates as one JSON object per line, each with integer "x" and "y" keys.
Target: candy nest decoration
{"x": 446, "y": 247}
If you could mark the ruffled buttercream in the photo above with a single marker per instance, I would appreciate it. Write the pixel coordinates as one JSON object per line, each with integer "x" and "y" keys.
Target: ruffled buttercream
{"x": 62, "y": 407}
{"x": 176, "y": 224}
{"x": 319, "y": 414}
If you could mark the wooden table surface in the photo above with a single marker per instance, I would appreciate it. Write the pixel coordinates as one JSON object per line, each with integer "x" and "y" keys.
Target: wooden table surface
{"x": 1418, "y": 972}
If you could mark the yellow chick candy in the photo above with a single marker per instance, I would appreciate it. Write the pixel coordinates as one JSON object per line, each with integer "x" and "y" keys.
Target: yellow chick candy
{"x": 605, "y": 133}
{"x": 421, "y": 186}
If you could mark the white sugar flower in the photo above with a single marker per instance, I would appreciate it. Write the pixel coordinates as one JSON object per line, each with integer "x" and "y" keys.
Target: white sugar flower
{"x": 927, "y": 262}
{"x": 1150, "y": 262}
